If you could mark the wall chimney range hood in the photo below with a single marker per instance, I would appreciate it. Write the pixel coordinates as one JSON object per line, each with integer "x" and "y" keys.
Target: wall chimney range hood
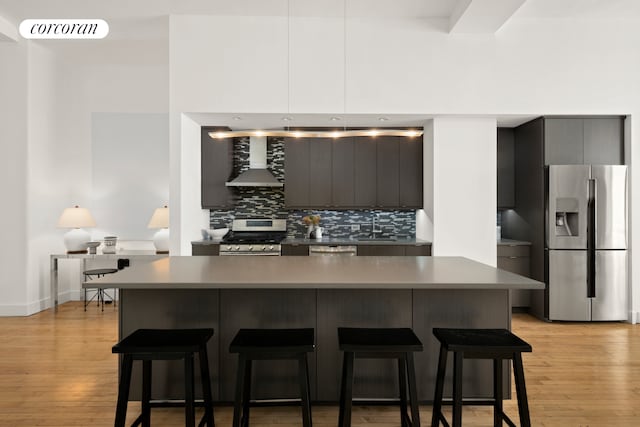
{"x": 257, "y": 175}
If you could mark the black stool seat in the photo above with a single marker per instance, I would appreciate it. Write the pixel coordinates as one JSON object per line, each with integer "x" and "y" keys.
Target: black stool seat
{"x": 495, "y": 344}
{"x": 380, "y": 343}
{"x": 265, "y": 344}
{"x": 164, "y": 344}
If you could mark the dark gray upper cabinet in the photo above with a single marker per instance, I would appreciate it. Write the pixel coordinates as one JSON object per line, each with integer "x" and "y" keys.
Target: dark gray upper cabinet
{"x": 506, "y": 172}
{"x": 410, "y": 177}
{"x": 320, "y": 172}
{"x": 583, "y": 141}
{"x": 343, "y": 172}
{"x": 603, "y": 141}
{"x": 388, "y": 171}
{"x": 296, "y": 172}
{"x": 216, "y": 166}
{"x": 563, "y": 142}
{"x": 365, "y": 171}
{"x": 359, "y": 172}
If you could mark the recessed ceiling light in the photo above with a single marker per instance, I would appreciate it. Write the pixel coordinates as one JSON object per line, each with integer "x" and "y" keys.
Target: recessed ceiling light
{"x": 335, "y": 119}
{"x": 382, "y": 119}
{"x": 237, "y": 118}
{"x": 286, "y": 119}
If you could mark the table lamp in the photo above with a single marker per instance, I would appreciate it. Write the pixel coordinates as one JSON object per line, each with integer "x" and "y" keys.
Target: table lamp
{"x": 160, "y": 219}
{"x": 76, "y": 239}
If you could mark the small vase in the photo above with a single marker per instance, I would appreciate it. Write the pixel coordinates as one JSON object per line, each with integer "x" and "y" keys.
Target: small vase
{"x": 310, "y": 232}
{"x": 318, "y": 232}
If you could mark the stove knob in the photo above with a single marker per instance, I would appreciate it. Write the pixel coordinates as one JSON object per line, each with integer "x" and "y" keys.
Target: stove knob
{"x": 237, "y": 248}
{"x": 250, "y": 248}
{"x": 264, "y": 247}
{"x": 229, "y": 247}
{"x": 271, "y": 247}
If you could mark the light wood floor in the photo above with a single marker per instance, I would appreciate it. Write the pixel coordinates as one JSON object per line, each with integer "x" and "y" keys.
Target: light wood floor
{"x": 58, "y": 370}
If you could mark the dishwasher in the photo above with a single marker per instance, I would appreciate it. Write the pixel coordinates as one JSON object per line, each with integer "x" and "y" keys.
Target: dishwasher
{"x": 332, "y": 250}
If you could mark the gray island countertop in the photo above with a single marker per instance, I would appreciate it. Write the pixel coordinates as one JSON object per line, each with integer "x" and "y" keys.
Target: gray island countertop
{"x": 201, "y": 272}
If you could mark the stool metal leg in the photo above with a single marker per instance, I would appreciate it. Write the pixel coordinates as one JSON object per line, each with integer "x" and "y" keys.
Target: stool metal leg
{"x": 521, "y": 390}
{"x": 189, "y": 407}
{"x": 402, "y": 381}
{"x": 497, "y": 393}
{"x": 437, "y": 398}
{"x": 123, "y": 391}
{"x": 346, "y": 394}
{"x": 413, "y": 394}
{"x": 303, "y": 378}
{"x": 146, "y": 393}
{"x": 206, "y": 386}
{"x": 458, "y": 356}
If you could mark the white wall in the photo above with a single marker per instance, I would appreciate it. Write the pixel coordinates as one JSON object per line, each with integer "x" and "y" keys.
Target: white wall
{"x": 464, "y": 182}
{"x": 13, "y": 176}
{"x": 130, "y": 173}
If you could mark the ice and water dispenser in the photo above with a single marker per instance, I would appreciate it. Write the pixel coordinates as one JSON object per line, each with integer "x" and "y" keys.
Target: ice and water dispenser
{"x": 567, "y": 217}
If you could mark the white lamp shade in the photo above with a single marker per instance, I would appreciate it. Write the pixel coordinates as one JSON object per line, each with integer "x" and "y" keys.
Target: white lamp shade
{"x": 76, "y": 217}
{"x": 160, "y": 218}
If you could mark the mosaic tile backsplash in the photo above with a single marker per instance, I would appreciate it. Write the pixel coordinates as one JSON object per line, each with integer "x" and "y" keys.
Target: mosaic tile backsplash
{"x": 256, "y": 202}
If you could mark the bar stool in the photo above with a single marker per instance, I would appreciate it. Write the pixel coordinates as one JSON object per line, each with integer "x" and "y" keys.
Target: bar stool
{"x": 270, "y": 344}
{"x": 380, "y": 343}
{"x": 96, "y": 273}
{"x": 164, "y": 344}
{"x": 495, "y": 344}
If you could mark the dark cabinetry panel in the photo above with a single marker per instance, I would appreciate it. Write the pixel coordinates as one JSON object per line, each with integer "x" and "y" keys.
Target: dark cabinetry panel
{"x": 603, "y": 141}
{"x": 418, "y": 250}
{"x": 410, "y": 174}
{"x": 216, "y": 163}
{"x": 515, "y": 258}
{"x": 295, "y": 250}
{"x": 586, "y": 141}
{"x": 563, "y": 142}
{"x": 319, "y": 172}
{"x": 296, "y": 172}
{"x": 394, "y": 250}
{"x": 365, "y": 171}
{"x": 388, "y": 171}
{"x": 342, "y": 172}
{"x": 359, "y": 172}
{"x": 211, "y": 250}
{"x": 506, "y": 171}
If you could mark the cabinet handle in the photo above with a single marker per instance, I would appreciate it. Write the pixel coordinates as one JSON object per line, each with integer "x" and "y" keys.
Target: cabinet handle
{"x": 514, "y": 257}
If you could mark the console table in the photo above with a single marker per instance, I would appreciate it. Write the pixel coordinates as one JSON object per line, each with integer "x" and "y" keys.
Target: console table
{"x": 132, "y": 255}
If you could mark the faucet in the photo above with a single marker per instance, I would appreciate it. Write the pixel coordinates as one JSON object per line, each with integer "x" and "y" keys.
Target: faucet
{"x": 373, "y": 225}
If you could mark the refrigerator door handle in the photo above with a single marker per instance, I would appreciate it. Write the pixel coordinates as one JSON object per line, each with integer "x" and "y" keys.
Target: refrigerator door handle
{"x": 591, "y": 239}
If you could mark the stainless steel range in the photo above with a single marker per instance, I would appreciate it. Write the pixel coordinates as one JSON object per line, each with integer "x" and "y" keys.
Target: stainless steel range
{"x": 254, "y": 237}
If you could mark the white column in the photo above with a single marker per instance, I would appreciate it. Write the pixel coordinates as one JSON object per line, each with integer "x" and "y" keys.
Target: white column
{"x": 464, "y": 187}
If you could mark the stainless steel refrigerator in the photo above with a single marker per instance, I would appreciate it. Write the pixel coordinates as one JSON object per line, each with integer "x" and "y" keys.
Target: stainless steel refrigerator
{"x": 586, "y": 227}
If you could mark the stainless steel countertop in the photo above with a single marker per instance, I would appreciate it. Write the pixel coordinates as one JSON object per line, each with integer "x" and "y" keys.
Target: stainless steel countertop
{"x": 372, "y": 272}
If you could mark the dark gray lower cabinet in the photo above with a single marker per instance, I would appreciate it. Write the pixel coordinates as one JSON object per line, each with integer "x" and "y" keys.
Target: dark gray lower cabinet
{"x": 515, "y": 258}
{"x": 295, "y": 250}
{"x": 394, "y": 250}
{"x": 211, "y": 250}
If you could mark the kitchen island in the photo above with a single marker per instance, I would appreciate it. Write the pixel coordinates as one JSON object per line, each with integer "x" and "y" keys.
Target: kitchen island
{"x": 228, "y": 293}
